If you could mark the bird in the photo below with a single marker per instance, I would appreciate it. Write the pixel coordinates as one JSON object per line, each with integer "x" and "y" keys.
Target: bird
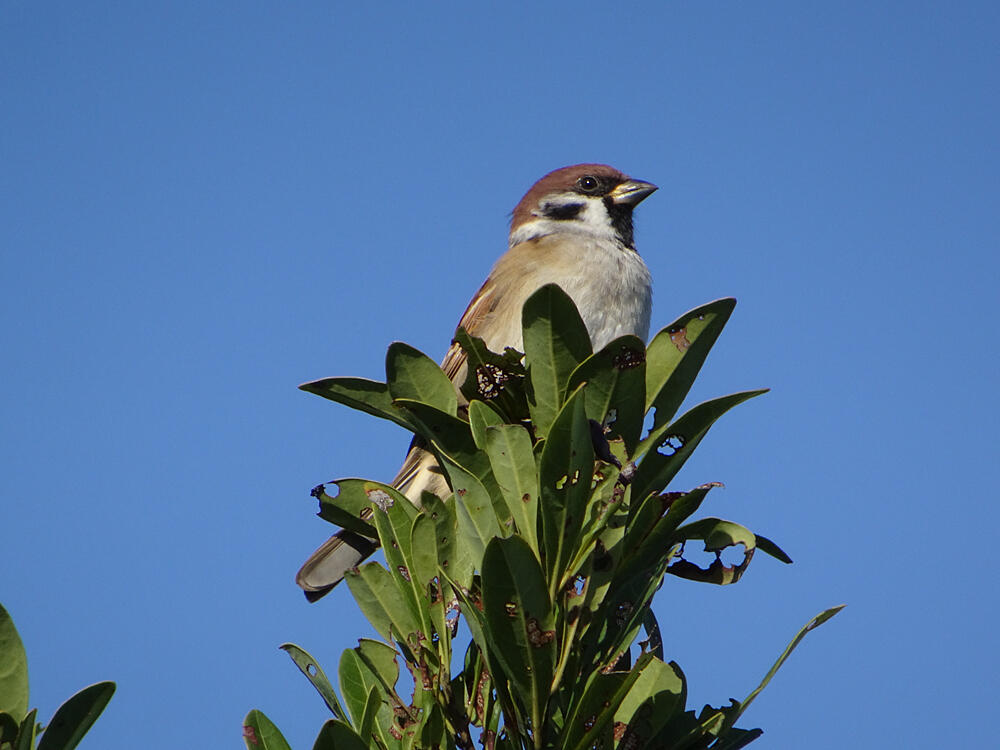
{"x": 572, "y": 228}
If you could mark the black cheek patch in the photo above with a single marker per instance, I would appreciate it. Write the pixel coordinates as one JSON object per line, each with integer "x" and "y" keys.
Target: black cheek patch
{"x": 562, "y": 211}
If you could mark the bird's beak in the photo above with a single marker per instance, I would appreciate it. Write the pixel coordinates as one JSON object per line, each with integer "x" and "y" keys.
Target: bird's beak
{"x": 632, "y": 192}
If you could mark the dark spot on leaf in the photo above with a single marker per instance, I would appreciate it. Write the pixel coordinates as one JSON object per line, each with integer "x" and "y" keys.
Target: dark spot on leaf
{"x": 526, "y": 498}
{"x": 403, "y": 572}
{"x": 461, "y": 492}
{"x": 510, "y": 608}
{"x": 627, "y": 358}
{"x": 538, "y": 637}
{"x": 316, "y": 491}
{"x": 251, "y": 734}
{"x": 678, "y": 336}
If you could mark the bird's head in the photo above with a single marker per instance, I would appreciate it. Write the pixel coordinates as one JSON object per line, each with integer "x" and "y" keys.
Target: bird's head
{"x": 593, "y": 200}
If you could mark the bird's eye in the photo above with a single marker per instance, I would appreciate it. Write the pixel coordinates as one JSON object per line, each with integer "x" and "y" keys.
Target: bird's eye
{"x": 588, "y": 183}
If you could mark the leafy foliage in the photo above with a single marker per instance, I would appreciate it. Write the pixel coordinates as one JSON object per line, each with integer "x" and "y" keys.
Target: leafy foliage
{"x": 18, "y": 728}
{"x": 559, "y": 532}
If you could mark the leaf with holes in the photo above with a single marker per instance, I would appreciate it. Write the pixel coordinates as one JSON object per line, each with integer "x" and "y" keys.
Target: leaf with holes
{"x": 495, "y": 378}
{"x": 315, "y": 674}
{"x": 616, "y": 383}
{"x": 674, "y": 443}
{"x": 351, "y": 507}
{"x": 555, "y": 342}
{"x": 718, "y": 535}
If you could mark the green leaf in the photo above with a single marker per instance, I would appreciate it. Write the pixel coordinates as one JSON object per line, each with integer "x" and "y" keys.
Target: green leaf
{"x": 351, "y": 507}
{"x": 519, "y": 620}
{"x": 374, "y": 589}
{"x": 13, "y": 669}
{"x": 315, "y": 674}
{"x": 477, "y": 518}
{"x": 368, "y": 396}
{"x": 372, "y": 707}
{"x": 595, "y": 710}
{"x": 259, "y": 733}
{"x": 717, "y": 535}
{"x": 675, "y": 356}
{"x": 657, "y": 694}
{"x": 337, "y": 735}
{"x": 676, "y": 442}
{"x": 766, "y": 545}
{"x": 452, "y": 437}
{"x": 566, "y": 471}
{"x": 27, "y": 731}
{"x": 75, "y": 717}
{"x": 616, "y": 382}
{"x": 414, "y": 376}
{"x": 480, "y": 417}
{"x": 454, "y": 557}
{"x": 9, "y": 729}
{"x": 369, "y": 666}
{"x": 555, "y": 342}
{"x": 513, "y": 462}
{"x": 811, "y": 625}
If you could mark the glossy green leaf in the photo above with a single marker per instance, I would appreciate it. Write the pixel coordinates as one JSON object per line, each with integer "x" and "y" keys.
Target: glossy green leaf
{"x": 670, "y": 446}
{"x": 338, "y": 735}
{"x": 766, "y": 545}
{"x": 369, "y": 396}
{"x": 814, "y": 623}
{"x": 555, "y": 342}
{"x": 315, "y": 674}
{"x": 13, "y": 669}
{"x": 519, "y": 620}
{"x": 513, "y": 462}
{"x": 372, "y": 706}
{"x": 412, "y": 375}
{"x": 9, "y": 728}
{"x": 374, "y": 589}
{"x": 75, "y": 717}
{"x": 452, "y": 437}
{"x": 454, "y": 557}
{"x": 480, "y": 417}
{"x": 717, "y": 536}
{"x": 477, "y": 518}
{"x": 616, "y": 383}
{"x": 260, "y": 733}
{"x": 656, "y": 695}
{"x": 675, "y": 356}
{"x": 351, "y": 507}
{"x": 369, "y": 666}
{"x": 27, "y": 731}
{"x": 566, "y": 471}
{"x": 595, "y": 710}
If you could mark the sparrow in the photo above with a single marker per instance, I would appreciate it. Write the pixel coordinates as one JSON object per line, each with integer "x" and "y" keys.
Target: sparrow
{"x": 572, "y": 228}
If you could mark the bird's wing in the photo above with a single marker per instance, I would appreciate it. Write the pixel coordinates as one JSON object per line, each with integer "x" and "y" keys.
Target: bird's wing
{"x": 481, "y": 306}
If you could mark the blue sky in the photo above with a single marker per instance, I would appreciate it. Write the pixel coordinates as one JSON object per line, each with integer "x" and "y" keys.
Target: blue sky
{"x": 201, "y": 207}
